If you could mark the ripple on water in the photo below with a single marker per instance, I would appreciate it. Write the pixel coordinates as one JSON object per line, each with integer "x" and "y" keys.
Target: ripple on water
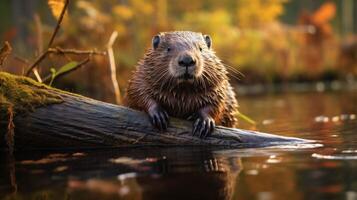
{"x": 298, "y": 146}
{"x": 335, "y": 157}
{"x": 337, "y": 118}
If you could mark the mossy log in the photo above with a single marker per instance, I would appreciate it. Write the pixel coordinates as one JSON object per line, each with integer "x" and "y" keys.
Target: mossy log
{"x": 44, "y": 117}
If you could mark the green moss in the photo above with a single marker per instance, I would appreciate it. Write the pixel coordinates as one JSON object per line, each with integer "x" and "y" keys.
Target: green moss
{"x": 20, "y": 95}
{"x": 24, "y": 94}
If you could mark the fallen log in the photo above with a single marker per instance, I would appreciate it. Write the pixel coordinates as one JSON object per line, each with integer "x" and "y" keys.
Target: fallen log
{"x": 51, "y": 118}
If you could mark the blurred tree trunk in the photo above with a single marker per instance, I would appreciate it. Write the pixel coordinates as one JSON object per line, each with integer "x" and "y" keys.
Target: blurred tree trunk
{"x": 22, "y": 15}
{"x": 347, "y": 16}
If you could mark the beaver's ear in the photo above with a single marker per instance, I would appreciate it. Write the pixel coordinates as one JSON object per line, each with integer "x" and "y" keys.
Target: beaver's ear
{"x": 155, "y": 41}
{"x": 208, "y": 40}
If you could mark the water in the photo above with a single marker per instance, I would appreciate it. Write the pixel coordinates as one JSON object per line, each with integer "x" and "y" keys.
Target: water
{"x": 327, "y": 170}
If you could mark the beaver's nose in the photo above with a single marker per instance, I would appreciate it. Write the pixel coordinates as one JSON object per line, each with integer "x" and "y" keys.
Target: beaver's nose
{"x": 187, "y": 61}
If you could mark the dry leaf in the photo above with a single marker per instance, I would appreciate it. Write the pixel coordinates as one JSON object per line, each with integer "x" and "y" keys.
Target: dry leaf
{"x": 56, "y": 7}
{"x": 5, "y": 52}
{"x": 326, "y": 12}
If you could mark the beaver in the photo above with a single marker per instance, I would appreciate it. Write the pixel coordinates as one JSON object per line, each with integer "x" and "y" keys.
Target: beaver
{"x": 180, "y": 76}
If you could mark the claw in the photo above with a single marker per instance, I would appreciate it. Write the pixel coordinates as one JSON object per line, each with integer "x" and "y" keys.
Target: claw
{"x": 207, "y": 130}
{"x": 158, "y": 118}
{"x": 203, "y": 126}
{"x": 212, "y": 126}
{"x": 163, "y": 123}
{"x": 154, "y": 120}
{"x": 159, "y": 122}
{"x": 196, "y": 126}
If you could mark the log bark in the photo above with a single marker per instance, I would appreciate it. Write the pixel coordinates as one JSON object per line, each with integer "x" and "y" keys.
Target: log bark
{"x": 80, "y": 122}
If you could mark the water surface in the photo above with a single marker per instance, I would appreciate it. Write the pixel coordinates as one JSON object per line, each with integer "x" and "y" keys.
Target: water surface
{"x": 326, "y": 171}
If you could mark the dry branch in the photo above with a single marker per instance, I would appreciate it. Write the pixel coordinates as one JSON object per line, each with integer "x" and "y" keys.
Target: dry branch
{"x": 36, "y": 62}
{"x": 59, "y": 50}
{"x": 113, "y": 71}
{"x": 58, "y": 23}
{"x": 22, "y": 60}
{"x": 80, "y": 64}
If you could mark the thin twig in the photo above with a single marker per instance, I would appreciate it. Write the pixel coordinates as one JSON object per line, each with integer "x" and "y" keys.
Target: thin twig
{"x": 39, "y": 44}
{"x": 80, "y": 64}
{"x": 59, "y": 50}
{"x": 68, "y": 58}
{"x": 113, "y": 67}
{"x": 44, "y": 54}
{"x": 23, "y": 60}
{"x": 58, "y": 23}
{"x": 37, "y": 61}
{"x": 37, "y": 75}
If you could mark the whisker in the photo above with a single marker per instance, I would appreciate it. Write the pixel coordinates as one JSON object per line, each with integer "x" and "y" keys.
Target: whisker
{"x": 161, "y": 75}
{"x": 209, "y": 79}
{"x": 235, "y": 73}
{"x": 163, "y": 83}
{"x": 233, "y": 69}
{"x": 203, "y": 82}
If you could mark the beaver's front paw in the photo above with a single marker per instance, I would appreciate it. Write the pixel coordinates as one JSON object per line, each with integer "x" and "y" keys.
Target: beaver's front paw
{"x": 158, "y": 117}
{"x": 203, "y": 126}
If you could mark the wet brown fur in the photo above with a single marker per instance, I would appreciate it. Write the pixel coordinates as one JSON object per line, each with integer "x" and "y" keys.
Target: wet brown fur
{"x": 153, "y": 83}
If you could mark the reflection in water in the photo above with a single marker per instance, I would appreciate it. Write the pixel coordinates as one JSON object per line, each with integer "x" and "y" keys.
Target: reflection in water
{"x": 313, "y": 171}
{"x": 7, "y": 171}
{"x": 170, "y": 173}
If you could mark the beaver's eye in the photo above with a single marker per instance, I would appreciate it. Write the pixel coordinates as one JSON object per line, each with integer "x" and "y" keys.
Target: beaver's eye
{"x": 168, "y": 49}
{"x": 201, "y": 49}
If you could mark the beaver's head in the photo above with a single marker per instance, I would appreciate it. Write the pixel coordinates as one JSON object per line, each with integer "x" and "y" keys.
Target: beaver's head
{"x": 183, "y": 55}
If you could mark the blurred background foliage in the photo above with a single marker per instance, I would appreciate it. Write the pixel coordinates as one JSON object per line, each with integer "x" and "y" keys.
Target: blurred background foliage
{"x": 269, "y": 41}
